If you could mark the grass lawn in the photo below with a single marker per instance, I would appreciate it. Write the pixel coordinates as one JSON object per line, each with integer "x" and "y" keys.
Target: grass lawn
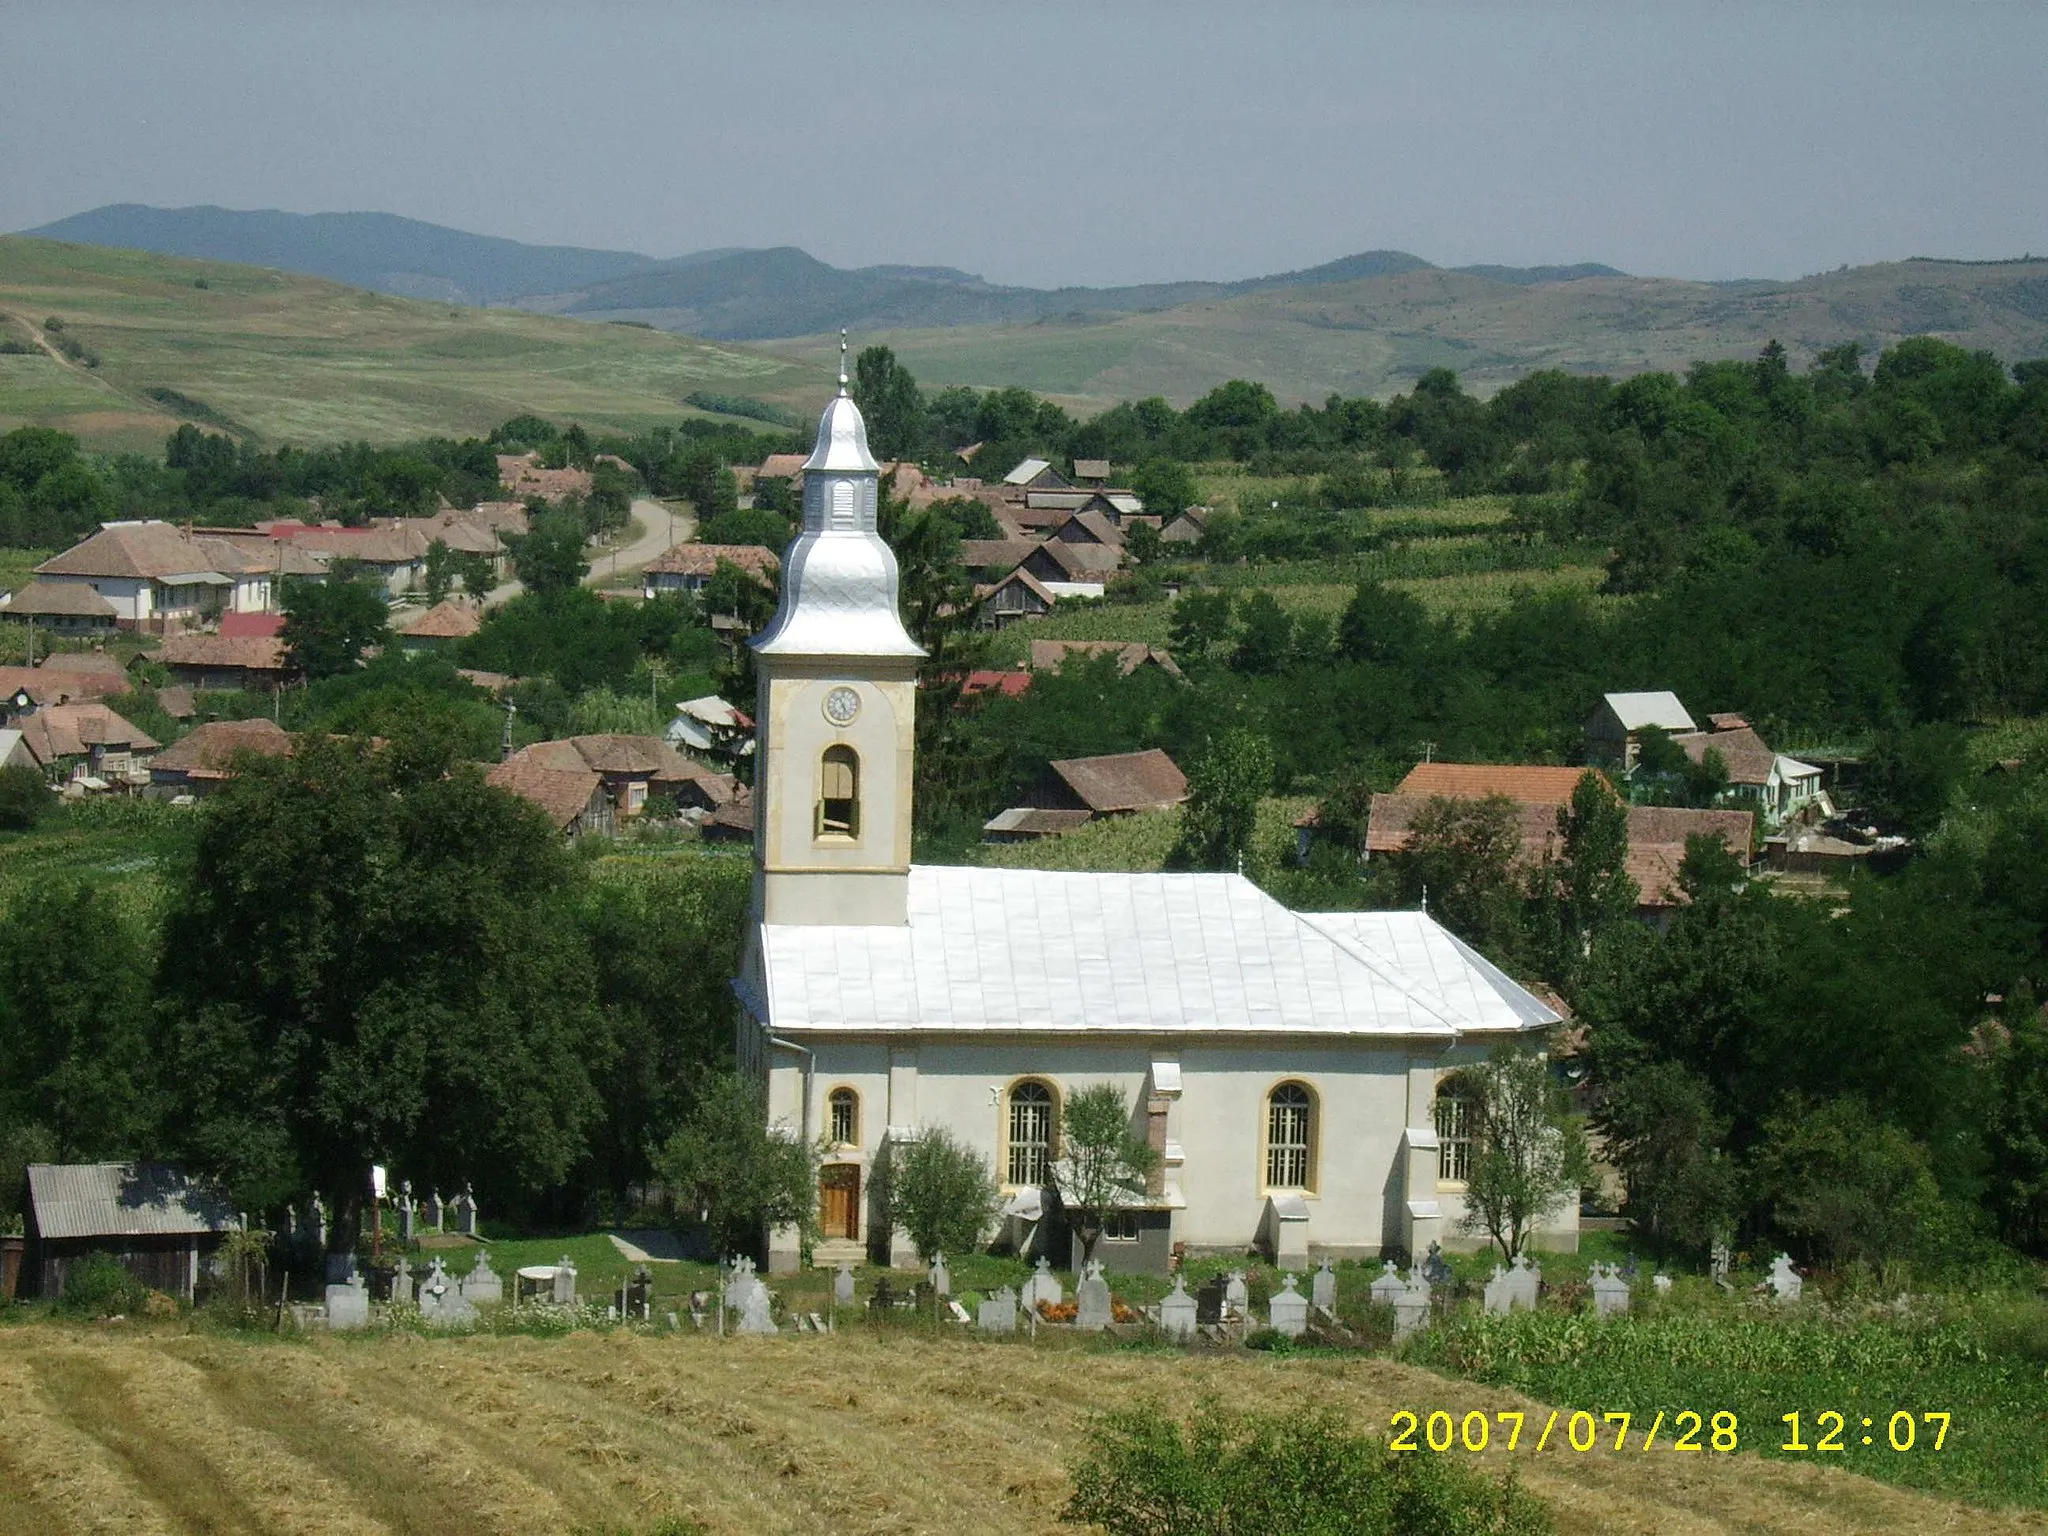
{"x": 167, "y": 1427}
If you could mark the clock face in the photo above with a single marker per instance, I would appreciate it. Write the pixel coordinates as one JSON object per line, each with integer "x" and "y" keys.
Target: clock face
{"x": 841, "y": 705}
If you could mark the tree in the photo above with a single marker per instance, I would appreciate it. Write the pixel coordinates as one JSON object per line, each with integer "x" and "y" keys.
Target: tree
{"x": 440, "y": 571}
{"x": 1459, "y": 864}
{"x": 708, "y": 484}
{"x": 1222, "y": 809}
{"x": 741, "y": 1175}
{"x": 1856, "y": 1188}
{"x": 1669, "y": 1146}
{"x": 1592, "y": 885}
{"x": 1142, "y": 543}
{"x": 1102, "y": 1164}
{"x": 373, "y": 958}
{"x": 548, "y": 557}
{"x": 23, "y": 797}
{"x": 1382, "y": 625}
{"x": 328, "y": 624}
{"x": 770, "y": 530}
{"x": 1265, "y": 634}
{"x": 1166, "y": 486}
{"x": 1528, "y": 1149}
{"x": 1201, "y": 622}
{"x": 891, "y": 403}
{"x": 2016, "y": 1134}
{"x": 941, "y": 1192}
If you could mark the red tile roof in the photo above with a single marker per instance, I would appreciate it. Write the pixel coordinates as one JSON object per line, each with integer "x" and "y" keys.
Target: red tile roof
{"x": 1009, "y": 684}
{"x": 451, "y": 619}
{"x": 244, "y": 626}
{"x": 1528, "y": 784}
{"x": 70, "y": 730}
{"x": 562, "y": 793}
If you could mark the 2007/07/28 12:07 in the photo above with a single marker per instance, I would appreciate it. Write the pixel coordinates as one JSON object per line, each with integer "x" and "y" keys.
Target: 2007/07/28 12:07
{"x": 1440, "y": 1431}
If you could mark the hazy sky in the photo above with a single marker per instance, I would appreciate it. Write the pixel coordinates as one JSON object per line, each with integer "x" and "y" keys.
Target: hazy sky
{"x": 1054, "y": 143}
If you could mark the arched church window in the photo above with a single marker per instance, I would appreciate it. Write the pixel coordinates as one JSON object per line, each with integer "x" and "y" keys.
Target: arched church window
{"x": 1032, "y": 1116}
{"x": 1290, "y": 1137}
{"x": 839, "y": 793}
{"x": 1455, "y": 1114}
{"x": 844, "y": 1106}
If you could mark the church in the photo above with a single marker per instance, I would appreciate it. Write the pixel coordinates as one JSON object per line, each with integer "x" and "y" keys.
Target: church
{"x": 1293, "y": 1070}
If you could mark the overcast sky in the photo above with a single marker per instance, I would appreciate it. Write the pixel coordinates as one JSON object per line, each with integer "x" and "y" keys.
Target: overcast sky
{"x": 1049, "y": 143}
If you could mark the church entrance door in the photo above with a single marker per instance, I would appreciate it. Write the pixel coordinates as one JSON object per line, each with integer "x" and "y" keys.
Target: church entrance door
{"x": 839, "y": 1199}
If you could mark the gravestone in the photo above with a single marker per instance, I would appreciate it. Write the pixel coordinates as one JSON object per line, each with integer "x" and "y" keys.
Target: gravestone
{"x": 401, "y": 1281}
{"x": 1177, "y": 1312}
{"x": 758, "y": 1316}
{"x": 1663, "y": 1284}
{"x": 640, "y": 1294}
{"x": 1237, "y": 1295}
{"x": 998, "y": 1314}
{"x": 842, "y": 1286}
{"x": 1288, "y": 1311}
{"x": 565, "y": 1283}
{"x": 941, "y": 1281}
{"x": 1322, "y": 1287}
{"x": 482, "y": 1282}
{"x": 1044, "y": 1286}
{"x": 1091, "y": 1300}
{"x": 1610, "y": 1291}
{"x": 1436, "y": 1269}
{"x": 1784, "y": 1280}
{"x": 1717, "y": 1266}
{"x": 404, "y": 1208}
{"x": 433, "y": 1213}
{"x": 1209, "y": 1303}
{"x": 316, "y": 1224}
{"x": 288, "y": 1229}
{"x": 740, "y": 1282}
{"x": 1524, "y": 1281}
{"x": 348, "y": 1303}
{"x": 1387, "y": 1287}
{"x": 465, "y": 1213}
{"x": 884, "y": 1296}
{"x": 1411, "y": 1307}
{"x": 442, "y": 1303}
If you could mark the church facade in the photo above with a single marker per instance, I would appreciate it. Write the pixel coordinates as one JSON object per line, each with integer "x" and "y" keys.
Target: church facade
{"x": 1295, "y": 1071}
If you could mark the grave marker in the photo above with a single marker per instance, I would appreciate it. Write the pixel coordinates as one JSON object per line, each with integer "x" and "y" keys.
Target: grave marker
{"x": 1237, "y": 1295}
{"x": 1177, "y": 1312}
{"x": 348, "y": 1302}
{"x": 465, "y": 1212}
{"x": 1411, "y": 1307}
{"x": 1322, "y": 1287}
{"x": 1610, "y": 1291}
{"x": 757, "y": 1316}
{"x": 1288, "y": 1311}
{"x": 1387, "y": 1288}
{"x": 842, "y": 1286}
{"x": 998, "y": 1314}
{"x": 482, "y": 1282}
{"x": 1043, "y": 1286}
{"x": 565, "y": 1283}
{"x": 941, "y": 1281}
{"x": 1091, "y": 1298}
{"x": 1784, "y": 1280}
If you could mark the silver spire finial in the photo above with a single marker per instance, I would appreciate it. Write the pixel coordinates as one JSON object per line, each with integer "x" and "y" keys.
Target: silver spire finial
{"x": 842, "y": 360}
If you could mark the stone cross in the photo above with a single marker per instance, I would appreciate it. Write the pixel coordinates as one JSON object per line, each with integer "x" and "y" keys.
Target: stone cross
{"x": 1387, "y": 1288}
{"x": 1091, "y": 1299}
{"x": 565, "y": 1283}
{"x": 1524, "y": 1281}
{"x": 740, "y": 1283}
{"x": 1784, "y": 1280}
{"x": 482, "y": 1282}
{"x": 404, "y": 1208}
{"x": 442, "y": 1303}
{"x": 1610, "y": 1291}
{"x": 1288, "y": 1311}
{"x": 288, "y": 1229}
{"x": 1177, "y": 1312}
{"x": 842, "y": 1285}
{"x": 998, "y": 1314}
{"x": 401, "y": 1281}
{"x": 757, "y": 1315}
{"x": 348, "y": 1303}
{"x": 942, "y": 1282}
{"x": 1043, "y": 1286}
{"x": 1662, "y": 1282}
{"x": 1411, "y": 1307}
{"x": 1436, "y": 1269}
{"x": 1322, "y": 1287}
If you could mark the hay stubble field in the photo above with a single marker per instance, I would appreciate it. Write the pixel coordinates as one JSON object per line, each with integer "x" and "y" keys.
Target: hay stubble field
{"x": 142, "y": 1430}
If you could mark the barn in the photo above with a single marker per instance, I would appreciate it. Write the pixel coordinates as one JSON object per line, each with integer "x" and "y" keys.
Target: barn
{"x": 149, "y": 1216}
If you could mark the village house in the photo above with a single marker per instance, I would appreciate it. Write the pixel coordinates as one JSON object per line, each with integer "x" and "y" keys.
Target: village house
{"x": 1776, "y": 786}
{"x": 521, "y": 475}
{"x": 160, "y": 578}
{"x": 572, "y": 798}
{"x": 1188, "y": 528}
{"x": 690, "y": 567}
{"x": 1072, "y": 570}
{"x": 1050, "y": 655}
{"x": 207, "y": 756}
{"x": 1291, "y": 1068}
{"x": 395, "y": 554}
{"x": 62, "y": 607}
{"x": 149, "y": 1218}
{"x": 1119, "y": 784}
{"x": 440, "y": 627}
{"x": 1019, "y": 595}
{"x": 711, "y": 728}
{"x": 630, "y": 770}
{"x": 24, "y": 690}
{"x": 89, "y": 746}
{"x": 1093, "y": 473}
{"x": 224, "y": 661}
{"x": 1614, "y": 729}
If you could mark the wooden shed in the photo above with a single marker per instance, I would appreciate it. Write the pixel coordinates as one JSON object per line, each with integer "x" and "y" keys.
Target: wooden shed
{"x": 150, "y": 1217}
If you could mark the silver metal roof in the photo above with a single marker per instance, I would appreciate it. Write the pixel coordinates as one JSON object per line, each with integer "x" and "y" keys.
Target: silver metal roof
{"x": 122, "y": 1200}
{"x": 1636, "y": 710}
{"x": 1161, "y": 954}
{"x": 842, "y": 439}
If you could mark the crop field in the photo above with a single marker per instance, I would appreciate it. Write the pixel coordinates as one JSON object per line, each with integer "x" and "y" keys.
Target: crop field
{"x": 144, "y": 1429}
{"x": 281, "y": 358}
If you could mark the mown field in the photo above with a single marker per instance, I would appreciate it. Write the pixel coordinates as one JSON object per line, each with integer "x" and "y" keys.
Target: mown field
{"x": 133, "y": 1429}
{"x": 282, "y": 358}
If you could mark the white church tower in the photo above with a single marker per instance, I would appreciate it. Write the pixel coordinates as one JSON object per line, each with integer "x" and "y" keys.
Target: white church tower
{"x": 835, "y": 713}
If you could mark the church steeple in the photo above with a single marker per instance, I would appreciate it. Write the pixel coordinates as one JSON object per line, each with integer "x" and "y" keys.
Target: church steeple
{"x": 838, "y": 693}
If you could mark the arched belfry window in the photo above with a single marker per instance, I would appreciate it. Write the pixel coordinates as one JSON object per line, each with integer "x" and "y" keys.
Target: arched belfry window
{"x": 1290, "y": 1137}
{"x": 843, "y": 515}
{"x": 844, "y": 1105}
{"x": 839, "y": 793}
{"x": 1033, "y": 1113}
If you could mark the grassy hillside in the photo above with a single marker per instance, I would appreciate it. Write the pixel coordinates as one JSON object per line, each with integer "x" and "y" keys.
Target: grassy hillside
{"x": 129, "y": 1429}
{"x": 1378, "y": 334}
{"x": 283, "y": 358}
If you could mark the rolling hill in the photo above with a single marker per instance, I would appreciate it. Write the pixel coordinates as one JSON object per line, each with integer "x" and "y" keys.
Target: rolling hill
{"x": 277, "y": 358}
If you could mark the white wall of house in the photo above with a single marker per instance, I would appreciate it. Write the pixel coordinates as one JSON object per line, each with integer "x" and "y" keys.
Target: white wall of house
{"x": 131, "y": 596}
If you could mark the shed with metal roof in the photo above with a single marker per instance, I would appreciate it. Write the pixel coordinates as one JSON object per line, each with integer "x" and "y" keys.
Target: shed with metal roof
{"x": 151, "y": 1218}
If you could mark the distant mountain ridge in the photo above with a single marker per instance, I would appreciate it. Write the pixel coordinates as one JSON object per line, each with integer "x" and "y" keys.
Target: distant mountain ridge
{"x": 727, "y": 294}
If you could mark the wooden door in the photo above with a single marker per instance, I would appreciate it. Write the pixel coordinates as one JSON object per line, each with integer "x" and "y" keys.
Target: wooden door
{"x": 839, "y": 1199}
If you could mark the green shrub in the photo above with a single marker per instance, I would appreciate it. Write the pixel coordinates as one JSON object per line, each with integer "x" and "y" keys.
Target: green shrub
{"x": 1222, "y": 1474}
{"x": 97, "y": 1286}
{"x": 23, "y": 797}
